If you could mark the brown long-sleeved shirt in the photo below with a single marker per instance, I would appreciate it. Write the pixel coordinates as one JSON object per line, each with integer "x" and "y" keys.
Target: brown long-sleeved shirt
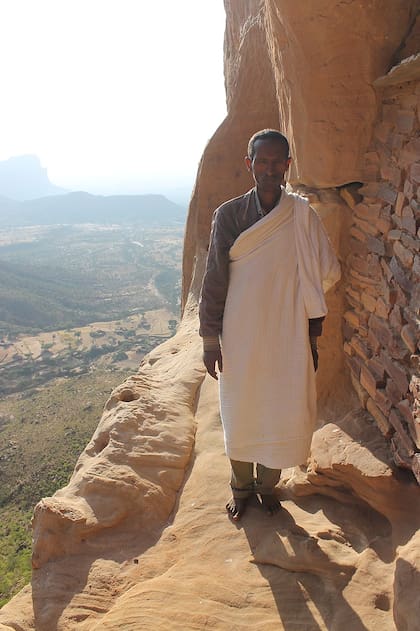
{"x": 229, "y": 221}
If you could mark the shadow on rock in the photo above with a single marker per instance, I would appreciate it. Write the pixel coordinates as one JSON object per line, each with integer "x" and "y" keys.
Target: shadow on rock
{"x": 315, "y": 570}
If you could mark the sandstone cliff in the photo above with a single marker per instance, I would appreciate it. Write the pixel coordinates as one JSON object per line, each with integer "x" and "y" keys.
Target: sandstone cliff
{"x": 139, "y": 538}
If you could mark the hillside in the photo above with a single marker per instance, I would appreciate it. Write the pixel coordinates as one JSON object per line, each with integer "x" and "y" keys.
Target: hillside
{"x": 37, "y": 298}
{"x": 58, "y": 276}
{"x": 81, "y": 207}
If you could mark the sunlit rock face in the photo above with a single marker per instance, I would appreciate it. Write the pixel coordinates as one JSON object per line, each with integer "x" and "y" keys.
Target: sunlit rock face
{"x": 324, "y": 61}
{"x": 139, "y": 539}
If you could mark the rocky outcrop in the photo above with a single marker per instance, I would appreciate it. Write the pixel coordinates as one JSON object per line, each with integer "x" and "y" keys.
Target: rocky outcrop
{"x": 140, "y": 538}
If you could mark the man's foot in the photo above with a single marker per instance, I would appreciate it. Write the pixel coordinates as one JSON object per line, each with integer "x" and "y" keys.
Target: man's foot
{"x": 236, "y": 507}
{"x": 270, "y": 503}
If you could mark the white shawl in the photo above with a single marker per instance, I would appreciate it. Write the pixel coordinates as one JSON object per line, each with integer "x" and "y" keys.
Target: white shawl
{"x": 318, "y": 267}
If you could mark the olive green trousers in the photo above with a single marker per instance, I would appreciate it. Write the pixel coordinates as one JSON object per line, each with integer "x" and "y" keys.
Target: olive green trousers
{"x": 244, "y": 482}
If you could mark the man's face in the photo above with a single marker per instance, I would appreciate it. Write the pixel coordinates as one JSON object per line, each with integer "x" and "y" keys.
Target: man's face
{"x": 268, "y": 165}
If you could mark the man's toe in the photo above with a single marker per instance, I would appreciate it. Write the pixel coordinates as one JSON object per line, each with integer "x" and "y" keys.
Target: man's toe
{"x": 236, "y": 508}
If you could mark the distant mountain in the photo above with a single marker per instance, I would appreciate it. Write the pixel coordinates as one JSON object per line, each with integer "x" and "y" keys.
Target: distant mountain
{"x": 22, "y": 177}
{"x": 80, "y": 207}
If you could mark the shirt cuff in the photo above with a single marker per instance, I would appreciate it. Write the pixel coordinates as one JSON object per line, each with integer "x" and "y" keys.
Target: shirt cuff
{"x": 211, "y": 343}
{"x": 315, "y": 326}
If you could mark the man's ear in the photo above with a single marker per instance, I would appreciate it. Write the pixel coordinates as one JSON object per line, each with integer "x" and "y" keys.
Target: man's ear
{"x": 289, "y": 160}
{"x": 248, "y": 162}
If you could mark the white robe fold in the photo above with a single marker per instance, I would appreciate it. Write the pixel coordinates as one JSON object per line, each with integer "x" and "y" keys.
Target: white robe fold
{"x": 267, "y": 387}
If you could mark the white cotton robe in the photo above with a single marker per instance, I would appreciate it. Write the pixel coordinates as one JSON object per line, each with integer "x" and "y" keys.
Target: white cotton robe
{"x": 267, "y": 387}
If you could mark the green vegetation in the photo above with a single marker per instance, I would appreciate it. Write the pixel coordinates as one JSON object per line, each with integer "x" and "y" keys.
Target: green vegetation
{"x": 43, "y": 434}
{"x": 70, "y": 276}
{"x": 15, "y": 552}
{"x": 168, "y": 283}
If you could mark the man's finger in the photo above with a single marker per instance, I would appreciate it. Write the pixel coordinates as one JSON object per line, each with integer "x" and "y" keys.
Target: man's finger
{"x": 211, "y": 369}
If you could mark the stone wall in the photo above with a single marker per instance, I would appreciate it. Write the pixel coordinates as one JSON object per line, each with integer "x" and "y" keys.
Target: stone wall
{"x": 383, "y": 270}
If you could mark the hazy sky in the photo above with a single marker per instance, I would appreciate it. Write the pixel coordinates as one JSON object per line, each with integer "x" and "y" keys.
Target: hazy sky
{"x": 111, "y": 90}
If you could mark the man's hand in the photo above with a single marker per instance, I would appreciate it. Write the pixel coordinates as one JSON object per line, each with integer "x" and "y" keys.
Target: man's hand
{"x": 210, "y": 359}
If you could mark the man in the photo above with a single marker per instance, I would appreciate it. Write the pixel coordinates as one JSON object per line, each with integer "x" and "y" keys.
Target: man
{"x": 261, "y": 310}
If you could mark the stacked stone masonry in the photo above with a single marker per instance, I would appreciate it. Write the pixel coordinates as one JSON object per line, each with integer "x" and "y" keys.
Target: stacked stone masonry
{"x": 381, "y": 326}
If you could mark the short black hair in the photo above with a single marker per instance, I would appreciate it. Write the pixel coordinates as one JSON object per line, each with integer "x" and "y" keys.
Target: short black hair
{"x": 268, "y": 134}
